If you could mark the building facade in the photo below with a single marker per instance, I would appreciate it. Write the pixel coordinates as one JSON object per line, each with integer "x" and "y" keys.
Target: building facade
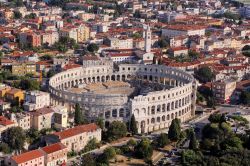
{"x": 36, "y": 100}
{"x": 153, "y": 110}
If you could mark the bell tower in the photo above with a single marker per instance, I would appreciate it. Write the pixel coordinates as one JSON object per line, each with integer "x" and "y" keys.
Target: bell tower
{"x": 147, "y": 39}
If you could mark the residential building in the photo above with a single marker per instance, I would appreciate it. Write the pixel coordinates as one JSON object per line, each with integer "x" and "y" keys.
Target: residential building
{"x": 83, "y": 33}
{"x": 180, "y": 30}
{"x": 77, "y": 138}
{"x": 5, "y": 123}
{"x": 178, "y": 51}
{"x": 22, "y": 119}
{"x": 15, "y": 95}
{"x": 41, "y": 118}
{"x": 23, "y": 68}
{"x": 31, "y": 158}
{"x": 3, "y": 89}
{"x": 55, "y": 154}
{"x": 4, "y": 105}
{"x": 119, "y": 43}
{"x": 60, "y": 119}
{"x": 223, "y": 90}
{"x": 35, "y": 100}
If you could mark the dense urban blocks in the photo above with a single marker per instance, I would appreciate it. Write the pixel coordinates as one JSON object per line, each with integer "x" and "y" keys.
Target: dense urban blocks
{"x": 154, "y": 94}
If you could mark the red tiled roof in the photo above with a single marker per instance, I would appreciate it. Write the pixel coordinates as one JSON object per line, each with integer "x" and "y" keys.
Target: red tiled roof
{"x": 76, "y": 130}
{"x": 4, "y": 121}
{"x": 54, "y": 148}
{"x": 31, "y": 155}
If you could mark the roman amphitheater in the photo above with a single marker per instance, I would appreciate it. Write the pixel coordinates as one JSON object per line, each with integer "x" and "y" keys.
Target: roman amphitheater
{"x": 155, "y": 94}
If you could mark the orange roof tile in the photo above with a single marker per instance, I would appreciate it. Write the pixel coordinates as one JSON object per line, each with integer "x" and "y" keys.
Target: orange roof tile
{"x": 76, "y": 130}
{"x": 54, "y": 148}
{"x": 4, "y": 121}
{"x": 31, "y": 155}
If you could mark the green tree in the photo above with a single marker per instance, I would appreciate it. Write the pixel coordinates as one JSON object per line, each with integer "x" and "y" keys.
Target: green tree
{"x": 133, "y": 127}
{"x": 17, "y": 15}
{"x": 100, "y": 122}
{"x": 91, "y": 145}
{"x": 193, "y": 144}
{"x": 5, "y": 148}
{"x": 15, "y": 138}
{"x": 163, "y": 43}
{"x": 17, "y": 3}
{"x": 204, "y": 74}
{"x": 31, "y": 16}
{"x": 144, "y": 149}
{"x": 88, "y": 160}
{"x": 116, "y": 130}
{"x": 29, "y": 84}
{"x": 190, "y": 157}
{"x": 245, "y": 97}
{"x": 110, "y": 153}
{"x": 78, "y": 115}
{"x": 162, "y": 140}
{"x": 46, "y": 57}
{"x": 193, "y": 54}
{"x": 174, "y": 130}
{"x": 92, "y": 47}
{"x": 132, "y": 142}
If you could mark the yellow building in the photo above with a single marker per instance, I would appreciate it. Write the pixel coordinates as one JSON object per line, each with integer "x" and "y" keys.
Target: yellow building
{"x": 14, "y": 94}
{"x": 82, "y": 33}
{"x": 23, "y": 68}
{"x": 3, "y": 90}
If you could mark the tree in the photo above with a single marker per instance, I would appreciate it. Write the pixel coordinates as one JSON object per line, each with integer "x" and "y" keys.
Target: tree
{"x": 78, "y": 115}
{"x": 215, "y": 118}
{"x": 162, "y": 140}
{"x": 133, "y": 127}
{"x": 131, "y": 142}
{"x": 29, "y": 84}
{"x": 5, "y": 148}
{"x": 31, "y": 16}
{"x": 190, "y": 157}
{"x": 205, "y": 74}
{"x": 245, "y": 97}
{"x": 116, "y": 130}
{"x": 17, "y": 15}
{"x": 46, "y": 57}
{"x": 17, "y": 3}
{"x": 163, "y": 43}
{"x": 91, "y": 145}
{"x": 92, "y": 47}
{"x": 88, "y": 160}
{"x": 174, "y": 130}
{"x": 15, "y": 138}
{"x": 109, "y": 153}
{"x": 144, "y": 149}
{"x": 246, "y": 50}
{"x": 193, "y": 54}
{"x": 100, "y": 122}
{"x": 193, "y": 144}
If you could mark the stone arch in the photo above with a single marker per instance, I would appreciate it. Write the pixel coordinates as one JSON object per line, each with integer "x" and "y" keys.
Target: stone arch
{"x": 153, "y": 110}
{"x": 114, "y": 113}
{"x": 121, "y": 112}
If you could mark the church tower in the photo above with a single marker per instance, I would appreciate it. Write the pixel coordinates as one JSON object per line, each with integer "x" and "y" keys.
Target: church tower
{"x": 148, "y": 41}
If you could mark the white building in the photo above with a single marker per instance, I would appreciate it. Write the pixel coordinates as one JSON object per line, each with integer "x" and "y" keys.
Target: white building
{"x": 120, "y": 43}
{"x": 60, "y": 117}
{"x": 183, "y": 30}
{"x": 36, "y": 100}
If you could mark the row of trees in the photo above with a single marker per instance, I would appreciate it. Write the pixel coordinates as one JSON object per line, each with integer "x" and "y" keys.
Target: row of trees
{"x": 219, "y": 144}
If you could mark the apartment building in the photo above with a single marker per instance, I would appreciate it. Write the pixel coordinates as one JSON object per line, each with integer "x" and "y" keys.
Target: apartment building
{"x": 119, "y": 43}
{"x": 52, "y": 155}
{"x": 5, "y": 123}
{"x": 23, "y": 68}
{"x": 60, "y": 118}
{"x": 22, "y": 119}
{"x": 14, "y": 95}
{"x": 41, "y": 118}
{"x": 31, "y": 158}
{"x": 36, "y": 100}
{"x": 76, "y": 138}
{"x": 223, "y": 90}
{"x": 55, "y": 154}
{"x": 180, "y": 30}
